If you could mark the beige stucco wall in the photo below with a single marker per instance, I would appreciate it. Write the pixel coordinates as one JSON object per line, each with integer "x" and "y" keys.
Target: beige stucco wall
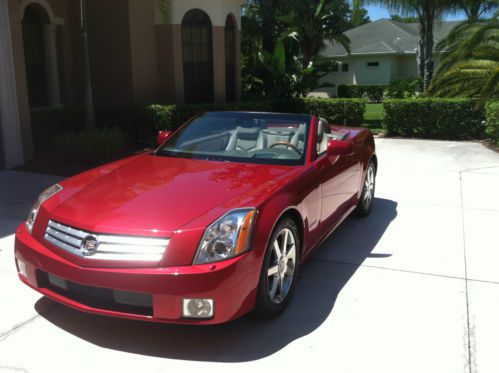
{"x": 20, "y": 77}
{"x": 391, "y": 67}
{"x": 408, "y": 66}
{"x": 143, "y": 51}
{"x": 381, "y": 75}
{"x": 169, "y": 46}
{"x": 110, "y": 52}
{"x": 217, "y": 10}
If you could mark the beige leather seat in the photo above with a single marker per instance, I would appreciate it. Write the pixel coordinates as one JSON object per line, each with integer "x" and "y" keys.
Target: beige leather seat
{"x": 246, "y": 139}
{"x": 322, "y": 138}
{"x": 298, "y": 138}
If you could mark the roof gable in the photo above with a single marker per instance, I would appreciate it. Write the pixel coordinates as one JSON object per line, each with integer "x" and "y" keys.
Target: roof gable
{"x": 386, "y": 36}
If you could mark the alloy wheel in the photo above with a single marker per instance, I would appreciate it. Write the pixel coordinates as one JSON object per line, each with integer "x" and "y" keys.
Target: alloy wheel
{"x": 282, "y": 265}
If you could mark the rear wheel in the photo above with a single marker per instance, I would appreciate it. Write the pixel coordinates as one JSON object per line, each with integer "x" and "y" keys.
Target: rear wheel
{"x": 279, "y": 270}
{"x": 365, "y": 204}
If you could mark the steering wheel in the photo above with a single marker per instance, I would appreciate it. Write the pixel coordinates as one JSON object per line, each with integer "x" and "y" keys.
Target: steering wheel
{"x": 292, "y": 146}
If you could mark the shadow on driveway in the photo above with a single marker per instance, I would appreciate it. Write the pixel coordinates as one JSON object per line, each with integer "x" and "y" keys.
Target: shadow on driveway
{"x": 249, "y": 338}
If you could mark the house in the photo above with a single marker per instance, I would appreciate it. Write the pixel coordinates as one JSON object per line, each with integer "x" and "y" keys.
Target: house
{"x": 380, "y": 52}
{"x": 140, "y": 51}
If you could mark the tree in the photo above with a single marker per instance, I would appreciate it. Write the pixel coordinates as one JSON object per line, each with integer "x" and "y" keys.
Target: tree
{"x": 359, "y": 14}
{"x": 314, "y": 22}
{"x": 475, "y": 9}
{"x": 88, "y": 96}
{"x": 426, "y": 12}
{"x": 268, "y": 15}
{"x": 470, "y": 62}
{"x": 293, "y": 67}
{"x": 397, "y": 18}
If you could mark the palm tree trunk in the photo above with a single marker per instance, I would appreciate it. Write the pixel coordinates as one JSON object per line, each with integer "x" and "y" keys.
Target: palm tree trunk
{"x": 268, "y": 10}
{"x": 473, "y": 10}
{"x": 421, "y": 55}
{"x": 88, "y": 96}
{"x": 428, "y": 53}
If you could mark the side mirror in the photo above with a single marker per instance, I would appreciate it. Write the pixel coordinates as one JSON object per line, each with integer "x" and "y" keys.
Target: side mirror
{"x": 162, "y": 136}
{"x": 335, "y": 147}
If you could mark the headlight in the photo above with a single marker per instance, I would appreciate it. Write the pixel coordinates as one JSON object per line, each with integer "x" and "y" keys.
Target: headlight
{"x": 45, "y": 195}
{"x": 227, "y": 237}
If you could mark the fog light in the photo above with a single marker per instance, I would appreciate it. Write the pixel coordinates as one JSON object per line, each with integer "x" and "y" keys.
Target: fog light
{"x": 57, "y": 281}
{"x": 21, "y": 267}
{"x": 197, "y": 308}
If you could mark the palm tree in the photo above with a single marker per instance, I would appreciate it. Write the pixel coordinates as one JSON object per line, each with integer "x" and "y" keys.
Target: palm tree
{"x": 359, "y": 13}
{"x": 88, "y": 96}
{"x": 427, "y": 12}
{"x": 314, "y": 22}
{"x": 268, "y": 13}
{"x": 470, "y": 63}
{"x": 475, "y": 9}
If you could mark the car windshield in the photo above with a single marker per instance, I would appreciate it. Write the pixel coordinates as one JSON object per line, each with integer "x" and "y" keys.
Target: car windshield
{"x": 242, "y": 137}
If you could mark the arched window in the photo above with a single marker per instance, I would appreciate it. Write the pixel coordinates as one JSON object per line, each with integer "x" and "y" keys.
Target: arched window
{"x": 230, "y": 59}
{"x": 34, "y": 54}
{"x": 197, "y": 57}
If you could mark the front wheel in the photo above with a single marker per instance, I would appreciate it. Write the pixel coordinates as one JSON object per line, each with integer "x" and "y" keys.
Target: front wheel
{"x": 365, "y": 204}
{"x": 279, "y": 270}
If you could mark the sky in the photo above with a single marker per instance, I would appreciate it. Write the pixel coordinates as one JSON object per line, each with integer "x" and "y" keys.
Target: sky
{"x": 377, "y": 12}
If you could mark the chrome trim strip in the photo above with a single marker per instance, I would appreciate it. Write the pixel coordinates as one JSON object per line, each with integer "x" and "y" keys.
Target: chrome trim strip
{"x": 68, "y": 230}
{"x": 110, "y": 247}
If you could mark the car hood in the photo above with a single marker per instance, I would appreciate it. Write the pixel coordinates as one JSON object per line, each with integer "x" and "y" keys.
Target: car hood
{"x": 162, "y": 194}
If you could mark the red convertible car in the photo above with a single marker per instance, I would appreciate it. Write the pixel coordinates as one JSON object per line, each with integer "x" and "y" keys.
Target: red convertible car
{"x": 212, "y": 224}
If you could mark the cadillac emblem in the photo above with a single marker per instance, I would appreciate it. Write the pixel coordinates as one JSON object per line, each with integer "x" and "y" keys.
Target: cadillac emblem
{"x": 89, "y": 246}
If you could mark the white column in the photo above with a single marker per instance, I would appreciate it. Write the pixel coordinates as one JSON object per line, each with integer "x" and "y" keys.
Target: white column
{"x": 52, "y": 65}
{"x": 9, "y": 110}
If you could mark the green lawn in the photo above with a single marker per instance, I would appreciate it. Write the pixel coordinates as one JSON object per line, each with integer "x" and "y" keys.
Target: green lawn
{"x": 373, "y": 117}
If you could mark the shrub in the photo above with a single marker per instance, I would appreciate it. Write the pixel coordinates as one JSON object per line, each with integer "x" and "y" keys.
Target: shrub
{"x": 337, "y": 111}
{"x": 141, "y": 124}
{"x": 404, "y": 88}
{"x": 349, "y": 111}
{"x": 373, "y": 92}
{"x": 492, "y": 126}
{"x": 96, "y": 146}
{"x": 452, "y": 119}
{"x": 46, "y": 124}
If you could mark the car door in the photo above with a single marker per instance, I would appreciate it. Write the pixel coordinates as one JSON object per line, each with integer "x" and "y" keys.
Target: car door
{"x": 338, "y": 177}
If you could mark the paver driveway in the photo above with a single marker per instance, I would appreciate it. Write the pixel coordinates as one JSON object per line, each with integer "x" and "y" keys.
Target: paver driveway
{"x": 412, "y": 288}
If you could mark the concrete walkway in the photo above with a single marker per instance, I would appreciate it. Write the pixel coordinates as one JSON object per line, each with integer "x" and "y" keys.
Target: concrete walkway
{"x": 412, "y": 288}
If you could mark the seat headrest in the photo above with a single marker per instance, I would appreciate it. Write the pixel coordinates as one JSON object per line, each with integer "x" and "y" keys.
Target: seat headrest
{"x": 323, "y": 129}
{"x": 247, "y": 133}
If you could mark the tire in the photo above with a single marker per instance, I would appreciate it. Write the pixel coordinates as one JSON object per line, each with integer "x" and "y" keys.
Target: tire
{"x": 276, "y": 290}
{"x": 366, "y": 201}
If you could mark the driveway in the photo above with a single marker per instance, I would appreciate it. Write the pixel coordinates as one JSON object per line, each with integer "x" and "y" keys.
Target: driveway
{"x": 412, "y": 288}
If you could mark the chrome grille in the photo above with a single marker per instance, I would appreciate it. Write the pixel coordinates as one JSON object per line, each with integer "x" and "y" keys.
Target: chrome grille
{"x": 109, "y": 247}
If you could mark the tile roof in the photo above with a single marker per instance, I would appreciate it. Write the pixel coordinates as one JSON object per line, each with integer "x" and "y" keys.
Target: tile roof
{"x": 386, "y": 37}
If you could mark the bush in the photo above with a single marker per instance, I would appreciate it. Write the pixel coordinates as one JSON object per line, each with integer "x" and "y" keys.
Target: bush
{"x": 349, "y": 111}
{"x": 492, "y": 126}
{"x": 373, "y": 92}
{"x": 404, "y": 88}
{"x": 336, "y": 111}
{"x": 46, "y": 124}
{"x": 451, "y": 119}
{"x": 96, "y": 146}
{"x": 141, "y": 124}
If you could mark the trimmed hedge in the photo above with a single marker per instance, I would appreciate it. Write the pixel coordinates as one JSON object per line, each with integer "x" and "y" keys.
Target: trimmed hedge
{"x": 140, "y": 124}
{"x": 492, "y": 126}
{"x": 450, "y": 119}
{"x": 373, "y": 92}
{"x": 91, "y": 147}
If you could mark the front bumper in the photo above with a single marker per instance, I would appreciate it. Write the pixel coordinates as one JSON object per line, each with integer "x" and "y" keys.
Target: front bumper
{"x": 231, "y": 284}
